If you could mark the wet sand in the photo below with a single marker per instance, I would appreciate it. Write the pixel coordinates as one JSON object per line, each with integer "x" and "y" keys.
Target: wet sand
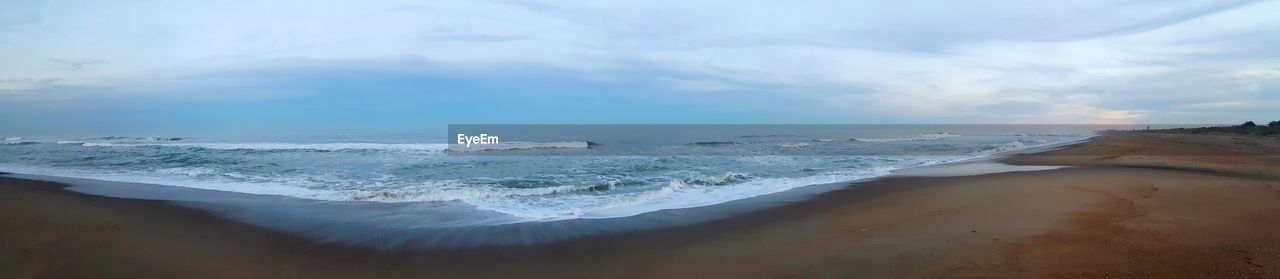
{"x": 1131, "y": 205}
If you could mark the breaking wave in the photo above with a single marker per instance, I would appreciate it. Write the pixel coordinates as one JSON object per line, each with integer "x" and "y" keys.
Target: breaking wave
{"x": 921, "y": 137}
{"x": 454, "y": 190}
{"x": 714, "y": 143}
{"x": 279, "y": 146}
{"x": 517, "y": 146}
{"x": 17, "y": 141}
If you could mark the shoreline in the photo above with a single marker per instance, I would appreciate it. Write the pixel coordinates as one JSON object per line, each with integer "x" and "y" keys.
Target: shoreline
{"x": 352, "y": 223}
{"x": 887, "y": 227}
{"x": 505, "y": 204}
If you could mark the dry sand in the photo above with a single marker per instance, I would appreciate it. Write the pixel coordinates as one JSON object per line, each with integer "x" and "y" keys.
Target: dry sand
{"x": 1134, "y": 205}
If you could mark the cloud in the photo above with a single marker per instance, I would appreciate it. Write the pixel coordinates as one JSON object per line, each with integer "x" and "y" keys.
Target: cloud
{"x": 978, "y": 61}
{"x": 699, "y": 84}
{"x": 68, "y": 64}
{"x": 29, "y": 80}
{"x": 1215, "y": 105}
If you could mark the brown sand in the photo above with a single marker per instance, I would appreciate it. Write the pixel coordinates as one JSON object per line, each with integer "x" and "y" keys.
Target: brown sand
{"x": 1138, "y": 205}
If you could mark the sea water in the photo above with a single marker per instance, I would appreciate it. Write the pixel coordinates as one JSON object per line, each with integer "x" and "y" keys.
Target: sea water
{"x": 599, "y": 171}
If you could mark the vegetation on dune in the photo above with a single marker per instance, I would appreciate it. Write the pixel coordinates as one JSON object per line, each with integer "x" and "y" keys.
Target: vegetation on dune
{"x": 1248, "y": 128}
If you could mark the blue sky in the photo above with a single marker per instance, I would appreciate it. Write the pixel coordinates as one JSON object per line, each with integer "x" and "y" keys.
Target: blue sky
{"x": 95, "y": 67}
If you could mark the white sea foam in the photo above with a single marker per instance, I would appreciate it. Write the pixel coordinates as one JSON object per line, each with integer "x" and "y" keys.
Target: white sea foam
{"x": 179, "y": 180}
{"x": 921, "y": 137}
{"x": 1017, "y": 145}
{"x": 793, "y": 144}
{"x": 17, "y": 141}
{"x": 453, "y": 190}
{"x": 532, "y": 204}
{"x": 680, "y": 194}
{"x": 676, "y": 194}
{"x": 187, "y": 171}
{"x": 105, "y": 144}
{"x": 517, "y": 146}
{"x": 1046, "y": 135}
{"x": 283, "y": 146}
{"x": 317, "y": 146}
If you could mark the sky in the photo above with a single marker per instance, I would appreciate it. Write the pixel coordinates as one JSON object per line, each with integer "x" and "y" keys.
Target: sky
{"x": 97, "y": 67}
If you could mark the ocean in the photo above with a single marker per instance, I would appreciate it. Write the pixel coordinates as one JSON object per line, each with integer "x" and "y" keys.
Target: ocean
{"x": 538, "y": 172}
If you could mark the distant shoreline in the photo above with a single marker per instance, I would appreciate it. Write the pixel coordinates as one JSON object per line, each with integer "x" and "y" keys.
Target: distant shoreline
{"x": 1257, "y": 130}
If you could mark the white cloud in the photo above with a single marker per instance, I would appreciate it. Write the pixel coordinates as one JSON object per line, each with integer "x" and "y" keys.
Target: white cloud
{"x": 1074, "y": 61}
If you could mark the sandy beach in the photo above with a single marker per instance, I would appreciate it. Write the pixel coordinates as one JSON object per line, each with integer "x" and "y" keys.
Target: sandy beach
{"x": 1149, "y": 205}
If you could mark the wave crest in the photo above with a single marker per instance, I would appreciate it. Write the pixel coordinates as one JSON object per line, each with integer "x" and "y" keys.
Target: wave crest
{"x": 921, "y": 137}
{"x": 269, "y": 146}
{"x": 518, "y": 146}
{"x": 453, "y": 190}
{"x": 714, "y": 143}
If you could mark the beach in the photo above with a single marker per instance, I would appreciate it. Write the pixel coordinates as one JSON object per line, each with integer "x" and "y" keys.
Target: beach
{"x": 1127, "y": 204}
